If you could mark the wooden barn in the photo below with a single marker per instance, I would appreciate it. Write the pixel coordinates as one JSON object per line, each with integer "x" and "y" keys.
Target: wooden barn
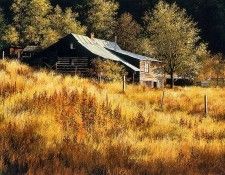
{"x": 74, "y": 53}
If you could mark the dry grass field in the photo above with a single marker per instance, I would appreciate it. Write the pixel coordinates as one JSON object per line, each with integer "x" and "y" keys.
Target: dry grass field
{"x": 54, "y": 124}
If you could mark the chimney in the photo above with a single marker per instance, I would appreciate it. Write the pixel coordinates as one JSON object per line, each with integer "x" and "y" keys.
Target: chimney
{"x": 115, "y": 45}
{"x": 92, "y": 36}
{"x": 115, "y": 39}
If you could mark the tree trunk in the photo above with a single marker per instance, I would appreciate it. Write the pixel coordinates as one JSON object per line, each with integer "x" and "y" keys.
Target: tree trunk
{"x": 217, "y": 80}
{"x": 172, "y": 80}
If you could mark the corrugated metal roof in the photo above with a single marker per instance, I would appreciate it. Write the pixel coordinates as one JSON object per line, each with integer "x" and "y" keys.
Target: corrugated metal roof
{"x": 115, "y": 47}
{"x": 136, "y": 56}
{"x": 98, "y": 49}
{"x": 95, "y": 48}
{"x": 107, "y": 44}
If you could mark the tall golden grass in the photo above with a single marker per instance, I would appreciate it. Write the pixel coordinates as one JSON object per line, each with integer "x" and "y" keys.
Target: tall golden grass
{"x": 54, "y": 124}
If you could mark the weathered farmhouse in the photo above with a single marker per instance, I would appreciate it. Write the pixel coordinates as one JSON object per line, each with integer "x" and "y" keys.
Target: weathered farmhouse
{"x": 74, "y": 53}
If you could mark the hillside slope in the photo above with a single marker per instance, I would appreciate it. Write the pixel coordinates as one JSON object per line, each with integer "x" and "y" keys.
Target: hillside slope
{"x": 54, "y": 124}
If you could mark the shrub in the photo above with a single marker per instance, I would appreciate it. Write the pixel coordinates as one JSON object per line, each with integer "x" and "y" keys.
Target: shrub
{"x": 106, "y": 69}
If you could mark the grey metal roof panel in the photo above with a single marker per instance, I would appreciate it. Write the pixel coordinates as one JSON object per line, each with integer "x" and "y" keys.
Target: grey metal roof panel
{"x": 97, "y": 48}
{"x": 136, "y": 56}
{"x": 107, "y": 44}
{"x": 115, "y": 47}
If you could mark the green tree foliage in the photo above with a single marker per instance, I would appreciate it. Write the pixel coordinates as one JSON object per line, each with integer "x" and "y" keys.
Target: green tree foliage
{"x": 107, "y": 69}
{"x": 36, "y": 22}
{"x": 145, "y": 46}
{"x": 128, "y": 32}
{"x": 173, "y": 36}
{"x": 209, "y": 14}
{"x": 101, "y": 17}
{"x": 30, "y": 20}
{"x": 10, "y": 35}
{"x": 62, "y": 23}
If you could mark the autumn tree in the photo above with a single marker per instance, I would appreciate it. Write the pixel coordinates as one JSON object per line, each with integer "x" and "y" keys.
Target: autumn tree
{"x": 10, "y": 35}
{"x": 209, "y": 14}
{"x": 101, "y": 17}
{"x": 128, "y": 32}
{"x": 30, "y": 20}
{"x": 174, "y": 37}
{"x": 204, "y": 57}
{"x": 218, "y": 67}
{"x": 213, "y": 68}
{"x": 61, "y": 24}
{"x": 36, "y": 22}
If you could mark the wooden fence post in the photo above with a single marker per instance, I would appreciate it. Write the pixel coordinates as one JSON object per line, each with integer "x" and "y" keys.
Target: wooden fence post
{"x": 133, "y": 77}
{"x": 100, "y": 78}
{"x": 162, "y": 100}
{"x": 124, "y": 83}
{"x": 76, "y": 70}
{"x": 56, "y": 67}
{"x": 206, "y": 105}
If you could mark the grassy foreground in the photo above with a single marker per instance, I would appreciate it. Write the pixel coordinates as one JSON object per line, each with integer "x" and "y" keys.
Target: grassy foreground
{"x": 51, "y": 124}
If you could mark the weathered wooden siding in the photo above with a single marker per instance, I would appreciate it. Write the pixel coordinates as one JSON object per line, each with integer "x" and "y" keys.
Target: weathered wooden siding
{"x": 73, "y": 65}
{"x": 69, "y": 58}
{"x": 153, "y": 76}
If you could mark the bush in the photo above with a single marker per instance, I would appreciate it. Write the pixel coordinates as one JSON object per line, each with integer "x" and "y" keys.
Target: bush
{"x": 108, "y": 70}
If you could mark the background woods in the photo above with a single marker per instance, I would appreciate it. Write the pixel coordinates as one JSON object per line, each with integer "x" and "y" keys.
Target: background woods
{"x": 209, "y": 15}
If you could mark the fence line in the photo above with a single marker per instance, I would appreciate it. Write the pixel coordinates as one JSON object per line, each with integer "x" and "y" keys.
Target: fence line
{"x": 206, "y": 110}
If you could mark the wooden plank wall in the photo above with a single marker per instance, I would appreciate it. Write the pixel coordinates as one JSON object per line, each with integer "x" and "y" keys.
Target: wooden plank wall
{"x": 73, "y": 65}
{"x": 154, "y": 74}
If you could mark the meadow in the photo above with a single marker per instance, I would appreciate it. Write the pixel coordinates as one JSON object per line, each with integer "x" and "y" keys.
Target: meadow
{"x": 55, "y": 124}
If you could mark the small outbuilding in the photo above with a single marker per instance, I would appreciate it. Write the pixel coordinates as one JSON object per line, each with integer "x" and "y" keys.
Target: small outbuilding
{"x": 29, "y": 51}
{"x": 13, "y": 52}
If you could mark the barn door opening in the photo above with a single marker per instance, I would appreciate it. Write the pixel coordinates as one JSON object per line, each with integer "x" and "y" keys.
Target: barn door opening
{"x": 155, "y": 85}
